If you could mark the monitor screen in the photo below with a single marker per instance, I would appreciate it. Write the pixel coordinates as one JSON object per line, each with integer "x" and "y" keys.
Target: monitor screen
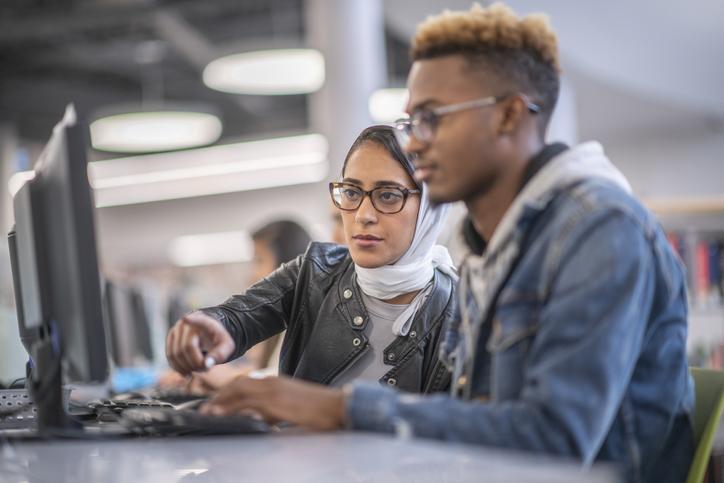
{"x": 142, "y": 326}
{"x": 128, "y": 326}
{"x": 58, "y": 267}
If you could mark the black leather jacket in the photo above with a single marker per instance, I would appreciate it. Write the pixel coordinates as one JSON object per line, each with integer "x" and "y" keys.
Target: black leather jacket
{"x": 316, "y": 299}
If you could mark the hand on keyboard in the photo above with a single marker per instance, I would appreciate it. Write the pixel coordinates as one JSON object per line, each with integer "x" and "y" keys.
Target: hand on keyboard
{"x": 201, "y": 383}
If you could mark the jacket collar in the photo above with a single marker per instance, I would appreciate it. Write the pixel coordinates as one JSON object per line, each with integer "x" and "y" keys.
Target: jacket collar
{"x": 350, "y": 305}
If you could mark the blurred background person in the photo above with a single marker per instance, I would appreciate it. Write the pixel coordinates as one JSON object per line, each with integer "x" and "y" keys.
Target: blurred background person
{"x": 274, "y": 243}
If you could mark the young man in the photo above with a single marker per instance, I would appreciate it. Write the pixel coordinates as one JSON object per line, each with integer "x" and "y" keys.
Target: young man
{"x": 572, "y": 339}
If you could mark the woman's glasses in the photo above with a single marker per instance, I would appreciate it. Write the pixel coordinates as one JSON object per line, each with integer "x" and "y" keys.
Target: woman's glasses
{"x": 385, "y": 199}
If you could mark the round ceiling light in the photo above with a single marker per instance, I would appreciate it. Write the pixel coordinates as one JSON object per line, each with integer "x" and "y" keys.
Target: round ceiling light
{"x": 267, "y": 72}
{"x": 388, "y": 105}
{"x": 153, "y": 131}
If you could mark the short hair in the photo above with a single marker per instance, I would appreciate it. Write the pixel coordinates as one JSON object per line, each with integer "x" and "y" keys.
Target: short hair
{"x": 286, "y": 239}
{"x": 519, "y": 51}
{"x": 383, "y": 136}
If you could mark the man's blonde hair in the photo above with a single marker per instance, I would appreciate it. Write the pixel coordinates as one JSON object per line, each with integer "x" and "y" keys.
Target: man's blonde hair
{"x": 521, "y": 51}
{"x": 480, "y": 29}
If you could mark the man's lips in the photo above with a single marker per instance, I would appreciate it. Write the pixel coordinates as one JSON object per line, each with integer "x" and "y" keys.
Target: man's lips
{"x": 423, "y": 172}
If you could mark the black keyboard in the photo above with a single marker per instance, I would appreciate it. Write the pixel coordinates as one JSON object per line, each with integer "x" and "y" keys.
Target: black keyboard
{"x": 111, "y": 409}
{"x": 140, "y": 416}
{"x": 17, "y": 410}
{"x": 177, "y": 422}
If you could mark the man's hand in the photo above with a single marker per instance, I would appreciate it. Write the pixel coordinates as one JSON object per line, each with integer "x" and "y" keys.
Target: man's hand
{"x": 193, "y": 335}
{"x": 214, "y": 379}
{"x": 282, "y": 399}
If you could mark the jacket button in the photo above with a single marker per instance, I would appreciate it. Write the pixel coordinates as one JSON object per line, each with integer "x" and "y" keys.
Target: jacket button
{"x": 347, "y": 294}
{"x": 391, "y": 356}
{"x": 413, "y": 334}
{"x": 356, "y": 341}
{"x": 358, "y": 321}
{"x": 392, "y": 381}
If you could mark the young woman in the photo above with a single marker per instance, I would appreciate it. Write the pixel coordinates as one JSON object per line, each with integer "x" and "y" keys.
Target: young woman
{"x": 372, "y": 311}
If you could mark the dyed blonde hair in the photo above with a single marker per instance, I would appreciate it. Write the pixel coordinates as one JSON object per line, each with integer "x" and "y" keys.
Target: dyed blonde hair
{"x": 521, "y": 51}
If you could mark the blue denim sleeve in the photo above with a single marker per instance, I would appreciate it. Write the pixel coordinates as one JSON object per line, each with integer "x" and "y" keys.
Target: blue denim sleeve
{"x": 579, "y": 364}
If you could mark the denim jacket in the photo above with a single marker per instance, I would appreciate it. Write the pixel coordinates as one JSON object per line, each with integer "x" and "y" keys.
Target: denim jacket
{"x": 316, "y": 299}
{"x": 579, "y": 347}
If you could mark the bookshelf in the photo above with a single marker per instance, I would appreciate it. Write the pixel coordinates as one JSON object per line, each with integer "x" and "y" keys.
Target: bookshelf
{"x": 695, "y": 228}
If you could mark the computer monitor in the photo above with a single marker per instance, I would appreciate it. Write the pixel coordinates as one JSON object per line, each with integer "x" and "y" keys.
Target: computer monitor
{"x": 142, "y": 327}
{"x": 128, "y": 325}
{"x": 58, "y": 274}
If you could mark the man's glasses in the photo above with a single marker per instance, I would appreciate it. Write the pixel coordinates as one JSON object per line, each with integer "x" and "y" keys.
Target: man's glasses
{"x": 385, "y": 199}
{"x": 423, "y": 122}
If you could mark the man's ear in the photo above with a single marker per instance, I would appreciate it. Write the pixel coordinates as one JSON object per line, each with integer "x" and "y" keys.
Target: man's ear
{"x": 513, "y": 113}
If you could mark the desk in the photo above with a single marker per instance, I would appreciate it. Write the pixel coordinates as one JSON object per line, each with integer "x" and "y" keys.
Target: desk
{"x": 284, "y": 457}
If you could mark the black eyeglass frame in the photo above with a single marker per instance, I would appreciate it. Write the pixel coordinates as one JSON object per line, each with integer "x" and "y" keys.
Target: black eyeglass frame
{"x": 406, "y": 192}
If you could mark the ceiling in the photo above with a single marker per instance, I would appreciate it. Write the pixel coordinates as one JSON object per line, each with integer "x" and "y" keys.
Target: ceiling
{"x": 643, "y": 73}
{"x": 667, "y": 50}
{"x": 86, "y": 52}
{"x": 52, "y": 52}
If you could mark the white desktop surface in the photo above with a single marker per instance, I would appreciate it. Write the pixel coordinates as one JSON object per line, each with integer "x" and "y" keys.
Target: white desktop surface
{"x": 289, "y": 456}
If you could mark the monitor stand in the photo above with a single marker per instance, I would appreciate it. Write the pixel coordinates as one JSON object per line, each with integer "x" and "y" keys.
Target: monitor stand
{"x": 45, "y": 385}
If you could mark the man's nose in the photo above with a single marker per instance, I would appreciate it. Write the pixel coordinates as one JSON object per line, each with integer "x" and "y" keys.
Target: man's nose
{"x": 414, "y": 146}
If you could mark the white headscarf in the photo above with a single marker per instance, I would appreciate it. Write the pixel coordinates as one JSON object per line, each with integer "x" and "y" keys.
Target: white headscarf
{"x": 415, "y": 268}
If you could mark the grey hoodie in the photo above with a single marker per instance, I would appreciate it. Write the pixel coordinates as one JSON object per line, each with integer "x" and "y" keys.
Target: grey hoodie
{"x": 481, "y": 276}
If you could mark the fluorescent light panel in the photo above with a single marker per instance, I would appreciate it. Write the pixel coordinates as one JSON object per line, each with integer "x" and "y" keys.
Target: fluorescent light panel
{"x": 267, "y": 72}
{"x": 17, "y": 181}
{"x": 211, "y": 248}
{"x": 206, "y": 171}
{"x": 388, "y": 105}
{"x": 142, "y": 132}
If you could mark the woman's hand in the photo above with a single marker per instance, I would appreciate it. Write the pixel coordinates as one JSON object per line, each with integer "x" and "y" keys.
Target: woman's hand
{"x": 193, "y": 335}
{"x": 282, "y": 399}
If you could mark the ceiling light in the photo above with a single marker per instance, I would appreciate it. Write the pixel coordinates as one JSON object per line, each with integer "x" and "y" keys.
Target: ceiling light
{"x": 388, "y": 105}
{"x": 153, "y": 124}
{"x": 152, "y": 131}
{"x": 209, "y": 171}
{"x": 17, "y": 181}
{"x": 267, "y": 72}
{"x": 205, "y": 171}
{"x": 228, "y": 247}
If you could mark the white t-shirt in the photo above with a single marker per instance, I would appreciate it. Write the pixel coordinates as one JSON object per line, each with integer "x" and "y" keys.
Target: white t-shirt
{"x": 371, "y": 366}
